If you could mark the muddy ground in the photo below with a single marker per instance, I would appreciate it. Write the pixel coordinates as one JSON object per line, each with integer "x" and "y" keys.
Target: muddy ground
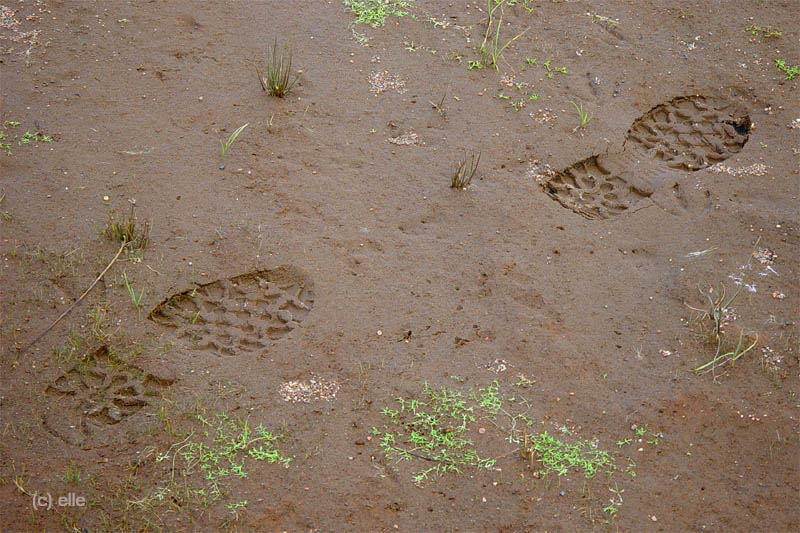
{"x": 329, "y": 268}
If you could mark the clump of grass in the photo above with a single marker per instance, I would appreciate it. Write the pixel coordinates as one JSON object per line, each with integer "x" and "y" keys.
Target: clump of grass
{"x": 126, "y": 230}
{"x": 73, "y": 474}
{"x": 231, "y": 139}
{"x": 464, "y": 169}
{"x": 278, "y": 79}
{"x": 375, "y": 12}
{"x": 584, "y": 116}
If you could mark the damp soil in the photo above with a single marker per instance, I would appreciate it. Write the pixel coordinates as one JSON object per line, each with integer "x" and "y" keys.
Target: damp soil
{"x": 325, "y": 267}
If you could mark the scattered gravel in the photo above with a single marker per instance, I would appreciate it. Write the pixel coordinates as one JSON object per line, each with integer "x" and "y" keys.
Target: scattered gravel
{"x": 383, "y": 81}
{"x": 307, "y": 391}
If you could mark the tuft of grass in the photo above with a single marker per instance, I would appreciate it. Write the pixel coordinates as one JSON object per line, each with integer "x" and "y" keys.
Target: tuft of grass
{"x": 464, "y": 169}
{"x": 278, "y": 80}
{"x": 73, "y": 474}
{"x": 490, "y": 49}
{"x": 584, "y": 116}
{"x": 127, "y": 230}
{"x": 375, "y": 12}
{"x": 231, "y": 138}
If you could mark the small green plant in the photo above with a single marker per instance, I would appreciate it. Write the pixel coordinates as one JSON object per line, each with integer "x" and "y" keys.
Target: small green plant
{"x": 127, "y": 230}
{"x": 220, "y": 454}
{"x": 278, "y": 80}
{"x": 766, "y": 33}
{"x": 718, "y": 314}
{"x": 72, "y": 475}
{"x": 491, "y": 49}
{"x": 615, "y": 502}
{"x": 583, "y": 115}
{"x": 137, "y": 300}
{"x": 231, "y": 138}
{"x": 474, "y": 65}
{"x": 433, "y": 429}
{"x": 375, "y": 12}
{"x": 464, "y": 169}
{"x": 791, "y": 72}
{"x": 559, "y": 457}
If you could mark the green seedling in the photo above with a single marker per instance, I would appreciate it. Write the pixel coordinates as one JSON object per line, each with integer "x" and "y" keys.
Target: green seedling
{"x": 375, "y": 12}
{"x": 137, "y": 300}
{"x": 463, "y": 170}
{"x": 791, "y": 72}
{"x": 583, "y": 115}
{"x": 534, "y": 97}
{"x": 231, "y": 138}
{"x": 278, "y": 80}
{"x": 766, "y": 33}
{"x": 474, "y": 65}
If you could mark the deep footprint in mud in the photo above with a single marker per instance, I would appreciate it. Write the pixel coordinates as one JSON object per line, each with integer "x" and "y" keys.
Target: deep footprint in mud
{"x": 240, "y": 314}
{"x": 683, "y": 135}
{"x": 95, "y": 394}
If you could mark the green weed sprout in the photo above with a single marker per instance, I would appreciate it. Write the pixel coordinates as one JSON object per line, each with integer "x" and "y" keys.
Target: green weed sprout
{"x": 584, "y": 116}
{"x": 227, "y": 144}
{"x": 375, "y": 12}
{"x": 137, "y": 300}
{"x": 277, "y": 81}
{"x": 791, "y": 72}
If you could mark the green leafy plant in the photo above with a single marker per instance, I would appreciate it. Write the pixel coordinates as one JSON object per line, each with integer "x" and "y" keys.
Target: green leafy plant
{"x": 766, "y": 33}
{"x": 790, "y": 71}
{"x": 221, "y": 454}
{"x": 278, "y": 80}
{"x": 231, "y": 138}
{"x": 463, "y": 170}
{"x": 432, "y": 429}
{"x": 582, "y": 115}
{"x": 559, "y": 457}
{"x": 375, "y": 12}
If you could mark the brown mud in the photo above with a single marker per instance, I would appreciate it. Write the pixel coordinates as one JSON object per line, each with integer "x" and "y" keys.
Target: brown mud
{"x": 329, "y": 269}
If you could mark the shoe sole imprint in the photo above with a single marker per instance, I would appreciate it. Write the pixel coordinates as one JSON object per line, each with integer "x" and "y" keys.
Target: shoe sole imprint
{"x": 685, "y": 134}
{"x": 95, "y": 394}
{"x": 240, "y": 314}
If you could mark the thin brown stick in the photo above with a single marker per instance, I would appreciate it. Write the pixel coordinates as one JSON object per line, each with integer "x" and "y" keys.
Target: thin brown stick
{"x": 76, "y": 302}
